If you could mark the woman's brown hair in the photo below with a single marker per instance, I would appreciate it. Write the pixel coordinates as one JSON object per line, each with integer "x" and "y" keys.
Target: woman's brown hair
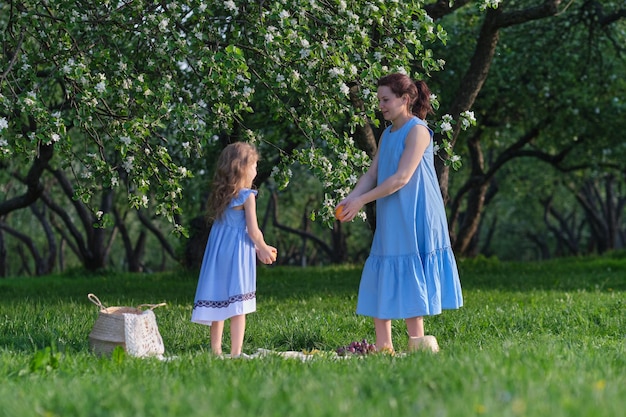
{"x": 418, "y": 92}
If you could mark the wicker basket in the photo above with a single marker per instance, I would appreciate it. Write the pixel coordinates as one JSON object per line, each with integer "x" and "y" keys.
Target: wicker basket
{"x": 116, "y": 326}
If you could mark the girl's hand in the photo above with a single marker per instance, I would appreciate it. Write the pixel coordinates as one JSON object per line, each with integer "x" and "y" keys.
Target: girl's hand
{"x": 267, "y": 255}
{"x": 274, "y": 253}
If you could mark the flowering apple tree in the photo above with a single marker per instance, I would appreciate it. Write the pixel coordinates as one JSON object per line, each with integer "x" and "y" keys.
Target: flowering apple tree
{"x": 125, "y": 95}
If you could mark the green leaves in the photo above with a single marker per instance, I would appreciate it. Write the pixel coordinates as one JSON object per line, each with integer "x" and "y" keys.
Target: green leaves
{"x": 130, "y": 95}
{"x": 43, "y": 361}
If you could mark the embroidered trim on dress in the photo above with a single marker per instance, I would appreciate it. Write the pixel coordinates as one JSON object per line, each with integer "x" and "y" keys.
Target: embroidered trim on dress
{"x": 225, "y": 303}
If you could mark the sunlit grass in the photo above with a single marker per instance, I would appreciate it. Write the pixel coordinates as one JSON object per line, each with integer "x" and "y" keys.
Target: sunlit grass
{"x": 537, "y": 339}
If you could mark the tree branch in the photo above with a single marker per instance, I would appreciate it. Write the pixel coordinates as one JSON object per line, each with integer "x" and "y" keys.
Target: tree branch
{"x": 32, "y": 181}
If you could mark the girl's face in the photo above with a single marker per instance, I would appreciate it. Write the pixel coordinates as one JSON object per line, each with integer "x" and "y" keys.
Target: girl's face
{"x": 391, "y": 105}
{"x": 250, "y": 174}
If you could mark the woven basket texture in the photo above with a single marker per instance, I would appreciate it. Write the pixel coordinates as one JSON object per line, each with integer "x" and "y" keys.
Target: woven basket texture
{"x": 108, "y": 330}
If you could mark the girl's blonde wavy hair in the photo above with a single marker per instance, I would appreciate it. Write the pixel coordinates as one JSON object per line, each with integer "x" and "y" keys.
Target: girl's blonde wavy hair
{"x": 230, "y": 176}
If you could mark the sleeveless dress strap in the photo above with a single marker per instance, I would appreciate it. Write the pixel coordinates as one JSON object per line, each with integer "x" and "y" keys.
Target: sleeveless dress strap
{"x": 244, "y": 193}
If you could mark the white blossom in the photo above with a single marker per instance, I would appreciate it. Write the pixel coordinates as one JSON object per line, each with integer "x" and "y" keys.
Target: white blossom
{"x": 3, "y": 123}
{"x": 30, "y": 98}
{"x": 469, "y": 115}
{"x": 231, "y": 6}
{"x": 467, "y": 119}
{"x": 490, "y": 3}
{"x": 128, "y": 164}
{"x": 67, "y": 68}
{"x": 335, "y": 72}
{"x": 446, "y": 127}
{"x": 125, "y": 140}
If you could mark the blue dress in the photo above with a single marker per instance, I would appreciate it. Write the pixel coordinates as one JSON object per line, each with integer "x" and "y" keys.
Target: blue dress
{"x": 227, "y": 282}
{"x": 411, "y": 270}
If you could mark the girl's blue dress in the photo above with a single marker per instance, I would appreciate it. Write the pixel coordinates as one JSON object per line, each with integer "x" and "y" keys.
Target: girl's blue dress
{"x": 227, "y": 282}
{"x": 411, "y": 270}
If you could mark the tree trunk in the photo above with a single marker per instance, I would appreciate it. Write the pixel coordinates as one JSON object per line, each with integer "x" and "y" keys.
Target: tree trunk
{"x": 34, "y": 188}
{"x": 50, "y": 261}
{"x": 603, "y": 212}
{"x": 133, "y": 256}
{"x": 470, "y": 86}
{"x": 91, "y": 247}
{"x": 565, "y": 232}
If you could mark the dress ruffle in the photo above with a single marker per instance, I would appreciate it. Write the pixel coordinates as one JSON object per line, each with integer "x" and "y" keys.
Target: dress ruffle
{"x": 404, "y": 286}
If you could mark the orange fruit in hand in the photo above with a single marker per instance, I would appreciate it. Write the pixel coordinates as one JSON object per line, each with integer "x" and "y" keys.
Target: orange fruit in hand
{"x": 339, "y": 213}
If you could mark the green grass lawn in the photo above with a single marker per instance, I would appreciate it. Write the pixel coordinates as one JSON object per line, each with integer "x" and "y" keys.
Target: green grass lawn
{"x": 533, "y": 339}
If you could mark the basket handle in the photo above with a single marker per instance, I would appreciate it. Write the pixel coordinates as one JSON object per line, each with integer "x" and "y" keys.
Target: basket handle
{"x": 96, "y": 301}
{"x": 152, "y": 306}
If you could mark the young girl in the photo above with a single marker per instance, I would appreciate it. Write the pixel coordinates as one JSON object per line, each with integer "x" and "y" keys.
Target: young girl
{"x": 411, "y": 271}
{"x": 227, "y": 283}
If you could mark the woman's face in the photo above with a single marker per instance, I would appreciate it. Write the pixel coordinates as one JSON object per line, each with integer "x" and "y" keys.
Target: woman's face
{"x": 391, "y": 105}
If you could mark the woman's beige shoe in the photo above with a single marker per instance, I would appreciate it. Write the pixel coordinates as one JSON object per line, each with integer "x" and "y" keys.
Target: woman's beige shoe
{"x": 423, "y": 343}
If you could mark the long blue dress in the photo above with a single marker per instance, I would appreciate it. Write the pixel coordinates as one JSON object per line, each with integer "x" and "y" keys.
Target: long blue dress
{"x": 227, "y": 282}
{"x": 411, "y": 270}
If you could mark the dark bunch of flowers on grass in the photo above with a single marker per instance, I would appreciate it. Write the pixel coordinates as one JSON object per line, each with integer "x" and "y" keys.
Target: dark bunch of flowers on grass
{"x": 356, "y": 348}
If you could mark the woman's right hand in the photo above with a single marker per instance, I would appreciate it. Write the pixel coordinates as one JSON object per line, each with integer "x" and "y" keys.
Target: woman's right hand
{"x": 347, "y": 209}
